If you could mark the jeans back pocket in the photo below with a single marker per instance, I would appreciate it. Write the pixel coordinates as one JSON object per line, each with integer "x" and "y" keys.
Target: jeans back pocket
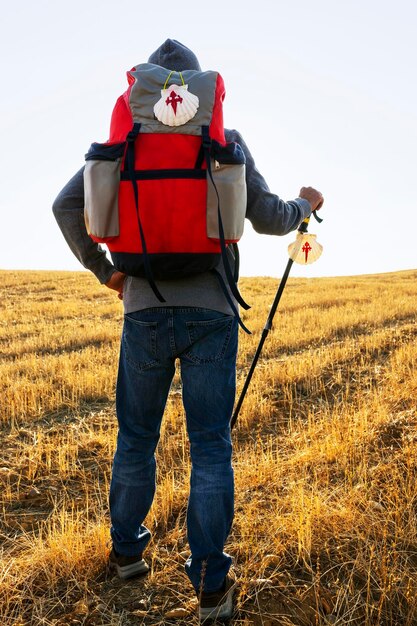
{"x": 139, "y": 340}
{"x": 209, "y": 339}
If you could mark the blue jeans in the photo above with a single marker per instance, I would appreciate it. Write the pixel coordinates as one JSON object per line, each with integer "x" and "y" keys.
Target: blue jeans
{"x": 205, "y": 342}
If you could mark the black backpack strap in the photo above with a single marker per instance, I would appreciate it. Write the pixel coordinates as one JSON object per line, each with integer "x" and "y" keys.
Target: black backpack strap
{"x": 229, "y": 275}
{"x": 129, "y": 165}
{"x": 200, "y": 158}
{"x": 230, "y": 301}
{"x": 237, "y": 261}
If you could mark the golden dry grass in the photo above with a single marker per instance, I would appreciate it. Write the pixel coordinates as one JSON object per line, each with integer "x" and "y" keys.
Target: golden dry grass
{"x": 325, "y": 459}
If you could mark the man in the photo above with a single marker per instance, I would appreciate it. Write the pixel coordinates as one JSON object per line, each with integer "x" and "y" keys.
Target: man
{"x": 196, "y": 325}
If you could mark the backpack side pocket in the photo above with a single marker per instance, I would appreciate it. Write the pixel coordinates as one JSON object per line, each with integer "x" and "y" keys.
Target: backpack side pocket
{"x": 229, "y": 175}
{"x": 101, "y": 190}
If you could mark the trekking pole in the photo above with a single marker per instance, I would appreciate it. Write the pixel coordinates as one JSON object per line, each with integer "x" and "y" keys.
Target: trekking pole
{"x": 304, "y": 247}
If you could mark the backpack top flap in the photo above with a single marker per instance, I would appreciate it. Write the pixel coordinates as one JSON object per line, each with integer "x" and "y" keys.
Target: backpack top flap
{"x": 148, "y": 82}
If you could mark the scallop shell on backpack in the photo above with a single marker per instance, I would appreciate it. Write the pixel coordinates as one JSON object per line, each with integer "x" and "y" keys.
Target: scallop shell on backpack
{"x": 177, "y": 106}
{"x": 305, "y": 249}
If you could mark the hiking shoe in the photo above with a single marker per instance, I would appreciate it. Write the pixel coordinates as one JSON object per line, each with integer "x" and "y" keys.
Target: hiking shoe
{"x": 217, "y": 604}
{"x": 127, "y": 566}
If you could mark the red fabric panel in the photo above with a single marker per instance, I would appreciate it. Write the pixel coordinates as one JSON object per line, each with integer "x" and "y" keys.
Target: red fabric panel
{"x": 216, "y": 126}
{"x": 131, "y": 79}
{"x": 173, "y": 216}
{"x": 121, "y": 119}
{"x": 165, "y": 151}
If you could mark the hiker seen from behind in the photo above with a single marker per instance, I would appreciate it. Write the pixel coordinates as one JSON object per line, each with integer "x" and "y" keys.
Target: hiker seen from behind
{"x": 168, "y": 194}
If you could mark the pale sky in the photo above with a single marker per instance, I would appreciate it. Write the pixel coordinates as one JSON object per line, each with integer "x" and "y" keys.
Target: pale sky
{"x": 324, "y": 94}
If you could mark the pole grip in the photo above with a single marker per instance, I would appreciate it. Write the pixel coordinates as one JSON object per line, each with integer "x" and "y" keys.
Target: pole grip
{"x": 316, "y": 217}
{"x": 303, "y": 228}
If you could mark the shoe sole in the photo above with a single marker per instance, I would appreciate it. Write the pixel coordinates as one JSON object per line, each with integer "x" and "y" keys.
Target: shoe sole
{"x": 222, "y": 611}
{"x": 129, "y": 571}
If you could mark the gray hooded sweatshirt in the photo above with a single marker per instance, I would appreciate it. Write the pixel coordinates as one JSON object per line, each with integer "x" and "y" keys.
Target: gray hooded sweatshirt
{"x": 267, "y": 213}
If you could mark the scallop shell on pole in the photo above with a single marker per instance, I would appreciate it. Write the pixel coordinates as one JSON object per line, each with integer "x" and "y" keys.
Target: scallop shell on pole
{"x": 305, "y": 249}
{"x": 176, "y": 106}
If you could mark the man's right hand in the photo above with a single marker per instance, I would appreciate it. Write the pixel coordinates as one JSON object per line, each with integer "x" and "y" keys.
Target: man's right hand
{"x": 116, "y": 282}
{"x": 314, "y": 197}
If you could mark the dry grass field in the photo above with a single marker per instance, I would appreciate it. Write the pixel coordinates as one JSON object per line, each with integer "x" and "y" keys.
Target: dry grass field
{"x": 325, "y": 456}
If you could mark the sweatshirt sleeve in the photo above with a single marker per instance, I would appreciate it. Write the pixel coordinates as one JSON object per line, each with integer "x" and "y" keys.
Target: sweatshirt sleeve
{"x": 68, "y": 209}
{"x": 268, "y": 214}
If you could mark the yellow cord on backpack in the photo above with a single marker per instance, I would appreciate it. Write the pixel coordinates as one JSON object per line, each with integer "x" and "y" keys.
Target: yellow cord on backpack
{"x": 169, "y": 76}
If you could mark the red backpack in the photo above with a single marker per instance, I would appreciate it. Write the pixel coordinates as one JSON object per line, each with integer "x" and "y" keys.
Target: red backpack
{"x": 166, "y": 193}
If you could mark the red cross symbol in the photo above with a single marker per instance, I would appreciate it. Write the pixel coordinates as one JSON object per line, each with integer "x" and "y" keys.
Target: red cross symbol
{"x": 306, "y": 249}
{"x": 173, "y": 100}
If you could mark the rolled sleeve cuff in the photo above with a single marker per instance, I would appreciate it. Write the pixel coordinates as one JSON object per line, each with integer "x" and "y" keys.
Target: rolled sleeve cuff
{"x": 305, "y": 206}
{"x": 103, "y": 274}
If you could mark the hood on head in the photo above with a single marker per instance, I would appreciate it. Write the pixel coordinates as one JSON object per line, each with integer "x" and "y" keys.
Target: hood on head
{"x": 173, "y": 55}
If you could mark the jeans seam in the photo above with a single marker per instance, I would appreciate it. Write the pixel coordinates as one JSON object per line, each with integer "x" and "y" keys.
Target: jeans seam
{"x": 176, "y": 309}
{"x": 140, "y": 323}
{"x": 172, "y": 335}
{"x": 143, "y": 366}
